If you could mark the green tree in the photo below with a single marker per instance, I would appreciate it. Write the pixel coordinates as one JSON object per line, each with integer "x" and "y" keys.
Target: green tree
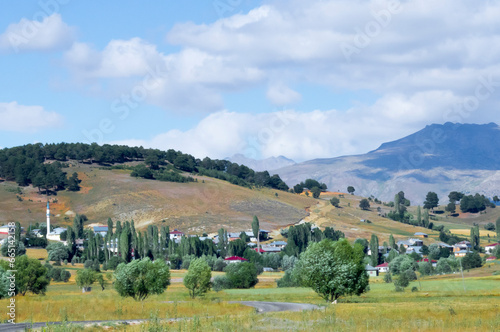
{"x": 374, "y": 250}
{"x": 57, "y": 251}
{"x": 419, "y": 216}
{"x": 242, "y": 275}
{"x": 85, "y": 278}
{"x": 474, "y": 237}
{"x": 256, "y": 231}
{"x": 334, "y": 269}
{"x": 497, "y": 226}
{"x": 197, "y": 279}
{"x": 451, "y": 207}
{"x": 431, "y": 201}
{"x": 364, "y": 204}
{"x": 316, "y": 192}
{"x": 392, "y": 242}
{"x": 74, "y": 182}
{"x": 13, "y": 248}
{"x": 402, "y": 281}
{"x": 335, "y": 201}
{"x": 141, "y": 278}
{"x": 455, "y": 196}
{"x": 31, "y": 276}
{"x": 351, "y": 190}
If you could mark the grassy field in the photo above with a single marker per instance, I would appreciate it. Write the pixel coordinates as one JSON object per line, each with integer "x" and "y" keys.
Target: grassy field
{"x": 440, "y": 305}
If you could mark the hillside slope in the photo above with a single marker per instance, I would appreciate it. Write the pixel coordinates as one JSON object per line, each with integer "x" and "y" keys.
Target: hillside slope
{"x": 198, "y": 207}
{"x": 439, "y": 158}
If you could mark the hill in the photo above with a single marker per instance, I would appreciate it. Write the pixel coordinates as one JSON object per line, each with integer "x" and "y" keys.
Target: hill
{"x": 439, "y": 158}
{"x": 194, "y": 207}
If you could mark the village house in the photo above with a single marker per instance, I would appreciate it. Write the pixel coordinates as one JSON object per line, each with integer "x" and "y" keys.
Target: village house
{"x": 462, "y": 248}
{"x": 372, "y": 272}
{"x": 490, "y": 247}
{"x": 55, "y": 235}
{"x": 420, "y": 234}
{"x": 411, "y": 243}
{"x": 278, "y": 244}
{"x": 235, "y": 259}
{"x": 383, "y": 268}
{"x": 101, "y": 230}
{"x": 176, "y": 235}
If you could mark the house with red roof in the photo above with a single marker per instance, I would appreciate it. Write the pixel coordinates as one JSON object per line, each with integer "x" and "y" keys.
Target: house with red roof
{"x": 235, "y": 259}
{"x": 492, "y": 258}
{"x": 427, "y": 260}
{"x": 175, "y": 234}
{"x": 490, "y": 247}
{"x": 383, "y": 267}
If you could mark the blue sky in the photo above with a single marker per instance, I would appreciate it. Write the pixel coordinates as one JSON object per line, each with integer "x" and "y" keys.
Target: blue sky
{"x": 263, "y": 78}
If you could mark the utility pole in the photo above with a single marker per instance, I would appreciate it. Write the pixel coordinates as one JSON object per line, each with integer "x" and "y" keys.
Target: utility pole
{"x": 461, "y": 269}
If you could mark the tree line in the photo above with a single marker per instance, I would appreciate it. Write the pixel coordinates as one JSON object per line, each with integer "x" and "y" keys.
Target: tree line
{"x": 41, "y": 165}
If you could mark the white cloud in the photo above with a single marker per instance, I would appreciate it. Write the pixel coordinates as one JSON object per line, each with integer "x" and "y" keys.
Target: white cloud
{"x": 306, "y": 135}
{"x": 281, "y": 95}
{"x": 21, "y": 118}
{"x": 49, "y": 34}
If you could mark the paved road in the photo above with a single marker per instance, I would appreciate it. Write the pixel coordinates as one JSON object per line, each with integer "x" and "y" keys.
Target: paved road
{"x": 262, "y": 307}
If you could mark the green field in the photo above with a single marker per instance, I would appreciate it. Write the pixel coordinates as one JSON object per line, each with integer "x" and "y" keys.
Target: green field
{"x": 441, "y": 304}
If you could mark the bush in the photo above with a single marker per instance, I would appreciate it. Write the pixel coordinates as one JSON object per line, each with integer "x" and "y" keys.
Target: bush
{"x": 399, "y": 289}
{"x": 65, "y": 262}
{"x": 242, "y": 275}
{"x": 220, "y": 283}
{"x": 114, "y": 262}
{"x": 288, "y": 280}
{"x": 219, "y": 265}
{"x": 388, "y": 278}
{"x": 414, "y": 289}
{"x": 88, "y": 264}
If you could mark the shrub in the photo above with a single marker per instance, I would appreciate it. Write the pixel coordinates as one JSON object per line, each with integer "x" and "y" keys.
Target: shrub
{"x": 114, "y": 262}
{"x": 414, "y": 289}
{"x": 388, "y": 278}
{"x": 242, "y": 275}
{"x": 219, "y": 265}
{"x": 88, "y": 264}
{"x": 65, "y": 262}
{"x": 220, "y": 283}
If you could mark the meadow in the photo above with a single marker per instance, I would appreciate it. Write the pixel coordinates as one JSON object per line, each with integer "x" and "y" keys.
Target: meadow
{"x": 441, "y": 304}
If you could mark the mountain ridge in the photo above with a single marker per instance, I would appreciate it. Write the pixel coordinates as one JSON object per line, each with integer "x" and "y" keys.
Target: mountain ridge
{"x": 438, "y": 158}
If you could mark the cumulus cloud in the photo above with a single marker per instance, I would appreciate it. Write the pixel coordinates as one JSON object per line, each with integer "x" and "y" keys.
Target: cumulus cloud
{"x": 304, "y": 135}
{"x": 49, "y": 34}
{"x": 21, "y": 118}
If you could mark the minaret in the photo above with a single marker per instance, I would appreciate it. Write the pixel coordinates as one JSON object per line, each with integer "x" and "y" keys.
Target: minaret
{"x": 48, "y": 218}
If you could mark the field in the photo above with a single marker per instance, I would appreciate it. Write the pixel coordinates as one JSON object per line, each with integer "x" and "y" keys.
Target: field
{"x": 440, "y": 304}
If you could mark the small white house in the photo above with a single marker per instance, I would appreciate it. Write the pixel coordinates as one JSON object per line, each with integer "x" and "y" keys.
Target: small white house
{"x": 383, "y": 268}
{"x": 489, "y": 248}
{"x": 372, "y": 272}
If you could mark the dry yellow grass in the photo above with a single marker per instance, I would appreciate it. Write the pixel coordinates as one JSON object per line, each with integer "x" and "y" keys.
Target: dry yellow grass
{"x": 466, "y": 232}
{"x": 37, "y": 253}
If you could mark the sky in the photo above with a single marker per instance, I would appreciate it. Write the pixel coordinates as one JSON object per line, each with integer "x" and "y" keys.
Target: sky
{"x": 302, "y": 79}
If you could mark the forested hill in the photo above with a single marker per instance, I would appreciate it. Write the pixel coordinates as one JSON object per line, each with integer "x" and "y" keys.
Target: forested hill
{"x": 41, "y": 165}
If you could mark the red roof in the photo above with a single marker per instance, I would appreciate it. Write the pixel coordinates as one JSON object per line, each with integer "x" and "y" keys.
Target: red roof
{"x": 427, "y": 260}
{"x": 383, "y": 265}
{"x": 492, "y": 258}
{"x": 176, "y": 232}
{"x": 493, "y": 245}
{"x": 235, "y": 258}
{"x": 259, "y": 250}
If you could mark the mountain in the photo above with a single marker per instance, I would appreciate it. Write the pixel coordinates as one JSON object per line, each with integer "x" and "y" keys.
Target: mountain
{"x": 269, "y": 164}
{"x": 439, "y": 158}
